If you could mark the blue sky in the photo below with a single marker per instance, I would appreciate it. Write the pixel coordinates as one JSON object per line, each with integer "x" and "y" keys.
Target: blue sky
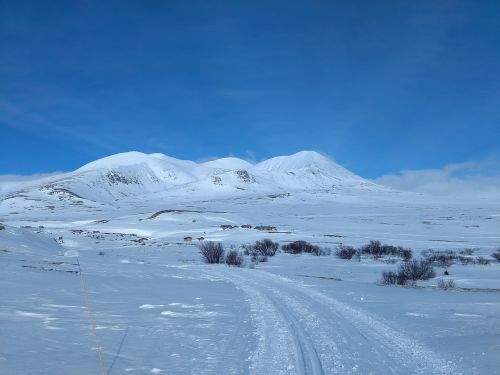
{"x": 379, "y": 86}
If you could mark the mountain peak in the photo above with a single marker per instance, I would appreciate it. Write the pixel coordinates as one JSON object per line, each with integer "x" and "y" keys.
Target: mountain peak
{"x": 135, "y": 173}
{"x": 231, "y": 163}
{"x": 117, "y": 160}
{"x": 299, "y": 160}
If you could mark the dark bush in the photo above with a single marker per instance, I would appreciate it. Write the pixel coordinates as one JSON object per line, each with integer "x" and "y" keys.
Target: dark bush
{"x": 389, "y": 278}
{"x": 345, "y": 252}
{"x": 446, "y": 258}
{"x": 266, "y": 247}
{"x": 392, "y": 278}
{"x": 442, "y": 258}
{"x": 409, "y": 272}
{"x": 496, "y": 255}
{"x": 377, "y": 250}
{"x": 228, "y": 226}
{"x": 374, "y": 248}
{"x": 298, "y": 247}
{"x": 406, "y": 254}
{"x": 267, "y": 228}
{"x": 212, "y": 252}
{"x": 417, "y": 270}
{"x": 234, "y": 258}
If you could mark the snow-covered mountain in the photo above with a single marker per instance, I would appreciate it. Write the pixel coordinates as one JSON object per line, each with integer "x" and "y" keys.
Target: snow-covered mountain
{"x": 139, "y": 175}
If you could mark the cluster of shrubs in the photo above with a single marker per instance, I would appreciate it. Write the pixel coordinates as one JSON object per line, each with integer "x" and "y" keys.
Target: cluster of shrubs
{"x": 374, "y": 249}
{"x": 214, "y": 253}
{"x": 346, "y": 252}
{"x": 496, "y": 255}
{"x": 265, "y": 247}
{"x": 298, "y": 247}
{"x": 268, "y": 228}
{"x": 409, "y": 273}
{"x": 446, "y": 258}
{"x": 261, "y": 250}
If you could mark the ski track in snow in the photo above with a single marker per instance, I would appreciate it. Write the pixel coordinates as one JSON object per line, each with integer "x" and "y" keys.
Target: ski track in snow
{"x": 327, "y": 336}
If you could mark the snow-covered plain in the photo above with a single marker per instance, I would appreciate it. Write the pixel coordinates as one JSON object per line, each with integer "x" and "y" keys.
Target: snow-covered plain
{"x": 112, "y": 233}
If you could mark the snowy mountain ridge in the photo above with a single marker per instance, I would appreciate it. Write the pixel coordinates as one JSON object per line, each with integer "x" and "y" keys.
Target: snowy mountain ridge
{"x": 136, "y": 175}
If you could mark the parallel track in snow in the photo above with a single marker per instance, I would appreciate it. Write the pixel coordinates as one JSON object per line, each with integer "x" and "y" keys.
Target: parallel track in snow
{"x": 323, "y": 335}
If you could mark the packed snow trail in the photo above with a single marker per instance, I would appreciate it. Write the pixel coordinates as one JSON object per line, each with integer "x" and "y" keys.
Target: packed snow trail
{"x": 301, "y": 330}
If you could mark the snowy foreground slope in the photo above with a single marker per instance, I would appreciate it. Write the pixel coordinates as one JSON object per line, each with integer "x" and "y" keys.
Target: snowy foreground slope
{"x": 120, "y": 222}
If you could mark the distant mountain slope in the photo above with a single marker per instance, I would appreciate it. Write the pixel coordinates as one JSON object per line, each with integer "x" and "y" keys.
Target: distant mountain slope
{"x": 135, "y": 175}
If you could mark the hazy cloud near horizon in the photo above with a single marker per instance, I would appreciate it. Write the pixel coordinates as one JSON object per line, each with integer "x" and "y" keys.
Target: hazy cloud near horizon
{"x": 477, "y": 178}
{"x": 15, "y": 181}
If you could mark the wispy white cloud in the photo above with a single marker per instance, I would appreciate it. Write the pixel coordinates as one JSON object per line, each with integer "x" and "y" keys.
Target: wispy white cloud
{"x": 9, "y": 182}
{"x": 473, "y": 178}
{"x": 13, "y": 116}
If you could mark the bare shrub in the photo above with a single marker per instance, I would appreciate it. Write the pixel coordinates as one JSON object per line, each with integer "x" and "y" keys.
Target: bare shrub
{"x": 376, "y": 250}
{"x": 345, "y": 252}
{"x": 417, "y": 270}
{"x": 267, "y": 228}
{"x": 298, "y": 247}
{"x": 496, "y": 255}
{"x": 373, "y": 248}
{"x": 406, "y": 254}
{"x": 389, "y": 278}
{"x": 446, "y": 258}
{"x": 212, "y": 252}
{"x": 441, "y": 258}
{"x": 266, "y": 247}
{"x": 409, "y": 272}
{"x": 234, "y": 258}
{"x": 259, "y": 250}
{"x": 392, "y": 278}
{"x": 446, "y": 284}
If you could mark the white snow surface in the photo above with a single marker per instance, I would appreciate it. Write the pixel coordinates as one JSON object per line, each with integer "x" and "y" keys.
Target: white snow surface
{"x": 230, "y": 163}
{"x": 103, "y": 247}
